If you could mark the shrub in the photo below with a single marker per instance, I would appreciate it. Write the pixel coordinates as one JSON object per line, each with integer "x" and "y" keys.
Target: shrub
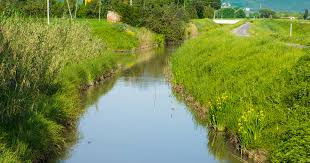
{"x": 167, "y": 20}
{"x": 227, "y": 13}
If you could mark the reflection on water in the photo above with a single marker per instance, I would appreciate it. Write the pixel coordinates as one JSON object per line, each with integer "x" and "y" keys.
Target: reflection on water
{"x": 135, "y": 118}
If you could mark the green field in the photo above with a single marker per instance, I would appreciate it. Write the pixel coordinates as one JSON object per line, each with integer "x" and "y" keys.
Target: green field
{"x": 256, "y": 88}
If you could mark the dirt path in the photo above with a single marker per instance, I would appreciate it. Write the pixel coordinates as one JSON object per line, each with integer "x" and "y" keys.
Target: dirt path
{"x": 243, "y": 30}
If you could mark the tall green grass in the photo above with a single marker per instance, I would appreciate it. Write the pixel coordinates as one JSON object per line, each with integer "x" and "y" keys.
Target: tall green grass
{"x": 42, "y": 68}
{"x": 245, "y": 83}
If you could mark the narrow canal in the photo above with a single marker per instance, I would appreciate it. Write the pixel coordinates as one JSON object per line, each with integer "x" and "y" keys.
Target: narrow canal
{"x": 136, "y": 118}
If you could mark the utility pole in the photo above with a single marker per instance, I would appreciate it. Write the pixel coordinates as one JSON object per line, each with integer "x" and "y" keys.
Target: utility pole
{"x": 99, "y": 10}
{"x": 48, "y": 12}
{"x": 291, "y": 30}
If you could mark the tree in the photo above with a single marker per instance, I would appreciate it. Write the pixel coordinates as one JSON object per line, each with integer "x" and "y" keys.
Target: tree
{"x": 199, "y": 7}
{"x": 239, "y": 13}
{"x": 267, "y": 13}
{"x": 306, "y": 15}
{"x": 208, "y": 12}
{"x": 216, "y": 4}
{"x": 227, "y": 13}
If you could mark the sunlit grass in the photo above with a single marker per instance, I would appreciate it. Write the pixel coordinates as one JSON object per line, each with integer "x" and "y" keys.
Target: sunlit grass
{"x": 244, "y": 84}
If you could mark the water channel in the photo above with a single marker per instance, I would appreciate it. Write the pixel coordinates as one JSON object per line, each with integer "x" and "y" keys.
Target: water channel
{"x": 136, "y": 118}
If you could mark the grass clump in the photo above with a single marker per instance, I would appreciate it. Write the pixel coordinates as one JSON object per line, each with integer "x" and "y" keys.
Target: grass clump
{"x": 256, "y": 88}
{"x": 41, "y": 70}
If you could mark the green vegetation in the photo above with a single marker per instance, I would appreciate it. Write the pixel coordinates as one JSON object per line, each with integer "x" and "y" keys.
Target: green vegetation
{"x": 255, "y": 87}
{"x": 37, "y": 102}
{"x": 43, "y": 69}
{"x": 280, "y": 29}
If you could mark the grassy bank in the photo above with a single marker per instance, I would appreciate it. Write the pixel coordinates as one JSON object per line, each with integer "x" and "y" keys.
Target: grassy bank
{"x": 255, "y": 88}
{"x": 43, "y": 69}
{"x": 280, "y": 29}
{"x": 121, "y": 36}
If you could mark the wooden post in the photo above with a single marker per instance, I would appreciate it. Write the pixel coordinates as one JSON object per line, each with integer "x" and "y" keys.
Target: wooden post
{"x": 291, "y": 27}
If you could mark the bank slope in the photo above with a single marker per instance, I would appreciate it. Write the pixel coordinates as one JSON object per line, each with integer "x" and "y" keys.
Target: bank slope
{"x": 255, "y": 88}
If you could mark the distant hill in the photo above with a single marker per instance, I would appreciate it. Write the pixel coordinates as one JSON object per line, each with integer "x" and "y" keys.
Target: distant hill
{"x": 279, "y": 5}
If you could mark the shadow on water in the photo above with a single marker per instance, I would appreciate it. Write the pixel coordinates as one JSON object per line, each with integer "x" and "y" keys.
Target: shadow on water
{"x": 136, "y": 118}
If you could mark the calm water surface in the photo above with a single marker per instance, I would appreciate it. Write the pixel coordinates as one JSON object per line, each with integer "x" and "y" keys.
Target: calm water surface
{"x": 135, "y": 118}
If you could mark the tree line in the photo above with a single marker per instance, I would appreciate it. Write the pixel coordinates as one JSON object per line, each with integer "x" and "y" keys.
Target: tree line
{"x": 59, "y": 8}
{"x": 167, "y": 17}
